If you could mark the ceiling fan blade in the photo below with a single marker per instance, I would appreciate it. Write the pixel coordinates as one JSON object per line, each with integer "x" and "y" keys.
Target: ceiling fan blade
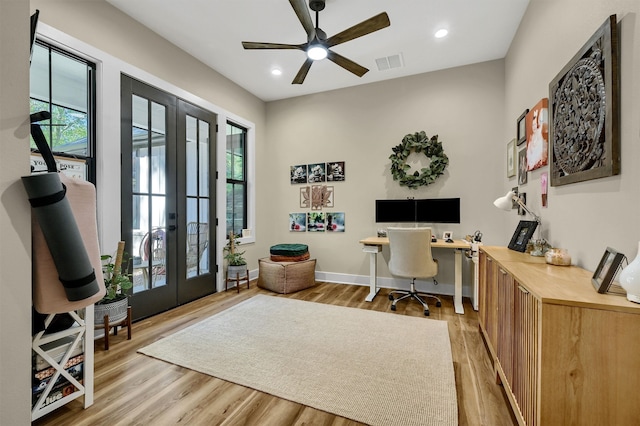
{"x": 347, "y": 64}
{"x": 259, "y": 45}
{"x": 376, "y": 23}
{"x": 304, "y": 69}
{"x": 301, "y": 9}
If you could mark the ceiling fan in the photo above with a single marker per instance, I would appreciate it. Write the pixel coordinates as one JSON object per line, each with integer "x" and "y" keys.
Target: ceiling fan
{"x": 317, "y": 45}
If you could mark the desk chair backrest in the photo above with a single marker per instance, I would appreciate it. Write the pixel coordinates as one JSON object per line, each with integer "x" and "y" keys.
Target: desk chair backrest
{"x": 411, "y": 253}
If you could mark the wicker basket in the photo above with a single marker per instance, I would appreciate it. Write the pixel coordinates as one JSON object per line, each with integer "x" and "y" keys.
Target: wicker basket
{"x": 116, "y": 310}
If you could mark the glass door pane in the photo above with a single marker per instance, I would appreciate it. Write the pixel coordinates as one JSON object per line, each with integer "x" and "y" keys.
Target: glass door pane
{"x": 196, "y": 278}
{"x": 148, "y": 196}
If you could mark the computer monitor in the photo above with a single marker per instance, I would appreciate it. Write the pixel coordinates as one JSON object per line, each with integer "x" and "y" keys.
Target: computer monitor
{"x": 429, "y": 210}
{"x": 438, "y": 210}
{"x": 391, "y": 211}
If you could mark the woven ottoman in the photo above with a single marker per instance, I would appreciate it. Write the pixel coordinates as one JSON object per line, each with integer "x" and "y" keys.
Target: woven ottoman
{"x": 286, "y": 277}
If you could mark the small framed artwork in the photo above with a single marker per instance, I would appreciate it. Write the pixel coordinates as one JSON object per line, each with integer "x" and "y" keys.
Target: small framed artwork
{"x": 521, "y": 128}
{"x": 537, "y": 122}
{"x": 305, "y": 197}
{"x": 335, "y": 171}
{"x": 511, "y": 158}
{"x": 299, "y": 174}
{"x": 522, "y": 235}
{"x": 297, "y": 222}
{"x": 335, "y": 222}
{"x": 522, "y": 196}
{"x": 607, "y": 269}
{"x": 514, "y": 203}
{"x": 447, "y": 236}
{"x": 315, "y": 222}
{"x": 522, "y": 167}
{"x": 316, "y": 173}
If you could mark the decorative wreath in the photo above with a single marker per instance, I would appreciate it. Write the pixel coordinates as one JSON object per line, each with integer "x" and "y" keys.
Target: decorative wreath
{"x": 418, "y": 142}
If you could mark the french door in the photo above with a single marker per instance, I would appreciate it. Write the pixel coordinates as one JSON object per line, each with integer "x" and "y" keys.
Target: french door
{"x": 168, "y": 197}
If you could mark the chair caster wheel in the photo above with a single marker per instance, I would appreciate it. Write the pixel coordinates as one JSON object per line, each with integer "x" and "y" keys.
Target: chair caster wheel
{"x": 426, "y": 313}
{"x": 391, "y": 297}
{"x": 393, "y": 307}
{"x": 438, "y": 304}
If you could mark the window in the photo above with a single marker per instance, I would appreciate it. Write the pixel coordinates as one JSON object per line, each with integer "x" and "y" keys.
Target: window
{"x": 236, "y": 179}
{"x": 64, "y": 85}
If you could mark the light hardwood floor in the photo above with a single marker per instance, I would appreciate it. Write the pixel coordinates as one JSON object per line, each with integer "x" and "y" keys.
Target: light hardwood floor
{"x": 133, "y": 389}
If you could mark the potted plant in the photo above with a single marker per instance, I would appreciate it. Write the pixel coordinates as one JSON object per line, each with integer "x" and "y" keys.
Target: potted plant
{"x": 117, "y": 281}
{"x": 236, "y": 263}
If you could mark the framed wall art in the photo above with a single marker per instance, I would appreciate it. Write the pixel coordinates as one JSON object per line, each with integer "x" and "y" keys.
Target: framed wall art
{"x": 584, "y": 117}
{"x": 316, "y": 173}
{"x": 321, "y": 196}
{"x": 522, "y": 235}
{"x": 511, "y": 158}
{"x": 521, "y": 128}
{"x": 298, "y": 174}
{"x": 335, "y": 171}
{"x": 522, "y": 166}
{"x": 297, "y": 222}
{"x": 315, "y": 222}
{"x": 606, "y": 271}
{"x": 335, "y": 222}
{"x": 537, "y": 122}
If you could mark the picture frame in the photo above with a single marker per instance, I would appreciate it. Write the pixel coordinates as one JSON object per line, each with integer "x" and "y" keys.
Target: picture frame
{"x": 447, "y": 235}
{"x": 298, "y": 222}
{"x": 590, "y": 122}
{"x": 316, "y": 173}
{"x": 537, "y": 123}
{"x": 514, "y": 203}
{"x": 521, "y": 128}
{"x": 522, "y": 196}
{"x": 336, "y": 171}
{"x": 522, "y": 167}
{"x": 511, "y": 158}
{"x": 607, "y": 269}
{"x": 335, "y": 222}
{"x": 298, "y": 174}
{"x": 523, "y": 233}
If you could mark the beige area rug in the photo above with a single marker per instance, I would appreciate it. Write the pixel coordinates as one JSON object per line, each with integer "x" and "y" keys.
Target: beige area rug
{"x": 373, "y": 367}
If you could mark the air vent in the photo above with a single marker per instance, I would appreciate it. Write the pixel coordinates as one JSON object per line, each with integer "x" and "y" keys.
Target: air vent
{"x": 388, "y": 62}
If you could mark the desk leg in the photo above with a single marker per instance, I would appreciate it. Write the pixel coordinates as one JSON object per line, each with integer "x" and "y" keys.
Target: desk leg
{"x": 373, "y": 271}
{"x": 457, "y": 297}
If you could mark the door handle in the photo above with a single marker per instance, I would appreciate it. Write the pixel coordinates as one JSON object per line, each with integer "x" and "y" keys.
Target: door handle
{"x": 172, "y": 227}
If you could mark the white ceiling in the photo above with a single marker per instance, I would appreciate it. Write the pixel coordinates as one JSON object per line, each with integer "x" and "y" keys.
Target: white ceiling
{"x": 212, "y": 31}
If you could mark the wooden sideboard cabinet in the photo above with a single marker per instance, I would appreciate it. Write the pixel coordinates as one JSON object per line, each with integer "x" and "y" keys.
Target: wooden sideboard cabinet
{"x": 565, "y": 354}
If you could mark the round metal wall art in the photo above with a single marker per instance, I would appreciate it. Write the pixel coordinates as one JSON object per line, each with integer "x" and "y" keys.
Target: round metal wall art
{"x": 580, "y": 116}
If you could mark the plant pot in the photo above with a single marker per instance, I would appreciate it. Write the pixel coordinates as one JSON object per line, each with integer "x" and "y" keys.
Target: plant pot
{"x": 116, "y": 309}
{"x": 239, "y": 271}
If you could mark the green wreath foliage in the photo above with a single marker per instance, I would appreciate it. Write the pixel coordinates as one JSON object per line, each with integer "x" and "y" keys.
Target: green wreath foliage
{"x": 419, "y": 143}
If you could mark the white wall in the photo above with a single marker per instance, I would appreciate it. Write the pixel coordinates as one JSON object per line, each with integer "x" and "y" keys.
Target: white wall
{"x": 15, "y": 225}
{"x": 360, "y": 125}
{"x": 584, "y": 217}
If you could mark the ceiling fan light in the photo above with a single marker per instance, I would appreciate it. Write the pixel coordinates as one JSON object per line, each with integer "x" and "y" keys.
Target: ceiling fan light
{"x": 317, "y": 52}
{"x": 441, "y": 33}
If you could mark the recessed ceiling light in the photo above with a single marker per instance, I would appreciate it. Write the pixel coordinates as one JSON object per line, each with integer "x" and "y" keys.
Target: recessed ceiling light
{"x": 276, "y": 71}
{"x": 441, "y": 33}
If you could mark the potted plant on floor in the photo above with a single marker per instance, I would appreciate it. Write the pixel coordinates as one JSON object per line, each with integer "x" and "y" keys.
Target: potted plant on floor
{"x": 236, "y": 263}
{"x": 117, "y": 281}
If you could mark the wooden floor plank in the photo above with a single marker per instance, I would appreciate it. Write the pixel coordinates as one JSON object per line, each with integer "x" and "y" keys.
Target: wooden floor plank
{"x": 133, "y": 389}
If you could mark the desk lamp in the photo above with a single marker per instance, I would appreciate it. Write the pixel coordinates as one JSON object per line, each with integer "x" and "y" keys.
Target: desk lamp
{"x": 506, "y": 202}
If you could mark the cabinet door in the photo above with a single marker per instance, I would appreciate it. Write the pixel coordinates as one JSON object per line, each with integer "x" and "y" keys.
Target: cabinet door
{"x": 526, "y": 353}
{"x": 505, "y": 316}
{"x": 488, "y": 299}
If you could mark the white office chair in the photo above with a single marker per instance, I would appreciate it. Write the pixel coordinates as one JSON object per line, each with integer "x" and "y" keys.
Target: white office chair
{"x": 411, "y": 258}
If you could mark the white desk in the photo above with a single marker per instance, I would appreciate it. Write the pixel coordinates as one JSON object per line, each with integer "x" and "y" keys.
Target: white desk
{"x": 373, "y": 246}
